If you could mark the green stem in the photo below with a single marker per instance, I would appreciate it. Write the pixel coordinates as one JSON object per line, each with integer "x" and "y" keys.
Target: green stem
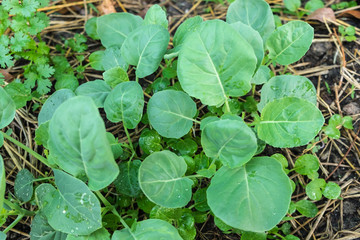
{"x": 171, "y": 55}
{"x": 112, "y": 208}
{"x": 137, "y": 79}
{"x": 43, "y": 179}
{"x": 279, "y": 235}
{"x": 227, "y": 106}
{"x": 17, "y": 220}
{"x": 27, "y": 149}
{"x": 129, "y": 139}
{"x": 19, "y": 210}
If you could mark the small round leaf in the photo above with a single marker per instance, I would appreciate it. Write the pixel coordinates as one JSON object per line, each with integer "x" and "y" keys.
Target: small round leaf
{"x": 307, "y": 164}
{"x": 332, "y": 190}
{"x": 161, "y": 179}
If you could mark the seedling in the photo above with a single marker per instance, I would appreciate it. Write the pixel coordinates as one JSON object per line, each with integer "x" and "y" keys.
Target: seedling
{"x": 217, "y": 63}
{"x": 347, "y": 33}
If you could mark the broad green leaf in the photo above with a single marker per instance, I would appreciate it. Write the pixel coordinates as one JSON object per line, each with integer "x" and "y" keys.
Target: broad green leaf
{"x": 145, "y": 48}
{"x": 289, "y": 122}
{"x": 52, "y": 103}
{"x": 306, "y": 208}
{"x": 73, "y": 208}
{"x": 314, "y": 189}
{"x": 281, "y": 159}
{"x": 112, "y": 58}
{"x": 148, "y": 230}
{"x": 101, "y": 234}
{"x": 185, "y": 146}
{"x": 24, "y": 185}
{"x": 150, "y": 141}
{"x": 171, "y": 113}
{"x": 253, "y": 38}
{"x": 221, "y": 225}
{"x": 156, "y": 15}
{"x": 78, "y": 142}
{"x": 229, "y": 140}
{"x": 209, "y": 69}
{"x": 7, "y": 109}
{"x": 306, "y": 164}
{"x": 332, "y": 131}
{"x": 287, "y": 86}
{"x": 125, "y": 103}
{"x": 96, "y": 60}
{"x": 2, "y": 181}
{"x": 288, "y": 43}
{"x": 2, "y": 236}
{"x": 292, "y": 5}
{"x": 188, "y": 26}
{"x": 1, "y": 140}
{"x": 115, "y": 76}
{"x": 255, "y": 13}
{"x": 98, "y": 90}
{"x": 41, "y": 192}
{"x": 42, "y": 134}
{"x": 254, "y": 197}
{"x": 161, "y": 179}
{"x": 145, "y": 204}
{"x": 91, "y": 28}
{"x": 41, "y": 230}
{"x": 114, "y": 28}
{"x": 19, "y": 93}
{"x": 261, "y": 76}
{"x": 127, "y": 182}
{"x": 332, "y": 191}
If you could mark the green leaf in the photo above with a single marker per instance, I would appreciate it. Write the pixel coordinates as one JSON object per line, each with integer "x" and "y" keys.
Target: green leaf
{"x": 281, "y": 159}
{"x": 253, "y": 38}
{"x": 115, "y": 76}
{"x": 291, "y": 237}
{"x": 2, "y": 181}
{"x": 23, "y": 186}
{"x": 80, "y": 146}
{"x": 91, "y": 28}
{"x": 289, "y": 122}
{"x": 201, "y": 200}
{"x": 255, "y": 13}
{"x": 73, "y": 208}
{"x": 127, "y": 182}
{"x": 2, "y": 236}
{"x": 249, "y": 197}
{"x": 229, "y": 140}
{"x": 185, "y": 29}
{"x": 253, "y": 236}
{"x": 96, "y": 60}
{"x": 306, "y": 208}
{"x": 332, "y": 131}
{"x": 287, "y": 86}
{"x": 171, "y": 113}
{"x": 98, "y": 90}
{"x": 1, "y": 140}
{"x": 347, "y": 122}
{"x": 25, "y": 8}
{"x": 125, "y": 103}
{"x": 52, "y": 103}
{"x": 148, "y": 229}
{"x": 112, "y": 58}
{"x": 19, "y": 93}
{"x": 307, "y": 164}
{"x": 101, "y": 234}
{"x": 161, "y": 179}
{"x": 292, "y": 5}
{"x": 42, "y": 134}
{"x": 41, "y": 230}
{"x": 156, "y": 15}
{"x": 7, "y": 109}
{"x": 261, "y": 76}
{"x": 150, "y": 141}
{"x": 313, "y": 5}
{"x": 115, "y": 145}
{"x": 288, "y": 43}
{"x": 145, "y": 48}
{"x": 219, "y": 71}
{"x": 114, "y": 28}
{"x": 6, "y": 60}
{"x": 332, "y": 191}
{"x": 314, "y": 189}
{"x": 185, "y": 146}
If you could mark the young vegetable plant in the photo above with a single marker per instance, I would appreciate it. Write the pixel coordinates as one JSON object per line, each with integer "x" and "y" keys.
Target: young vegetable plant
{"x": 187, "y": 164}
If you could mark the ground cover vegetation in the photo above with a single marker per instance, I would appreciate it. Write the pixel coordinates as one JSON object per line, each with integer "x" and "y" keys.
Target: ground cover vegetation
{"x": 203, "y": 124}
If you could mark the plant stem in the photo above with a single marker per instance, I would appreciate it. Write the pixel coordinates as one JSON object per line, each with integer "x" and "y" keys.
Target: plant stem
{"x": 227, "y": 106}
{"x": 19, "y": 210}
{"x": 112, "y": 208}
{"x": 16, "y": 221}
{"x": 129, "y": 139}
{"x": 27, "y": 149}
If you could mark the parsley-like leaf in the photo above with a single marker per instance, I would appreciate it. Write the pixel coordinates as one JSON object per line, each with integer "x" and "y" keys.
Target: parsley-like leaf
{"x": 5, "y": 57}
{"x": 38, "y": 23}
{"x": 19, "y": 41}
{"x": 26, "y": 8}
